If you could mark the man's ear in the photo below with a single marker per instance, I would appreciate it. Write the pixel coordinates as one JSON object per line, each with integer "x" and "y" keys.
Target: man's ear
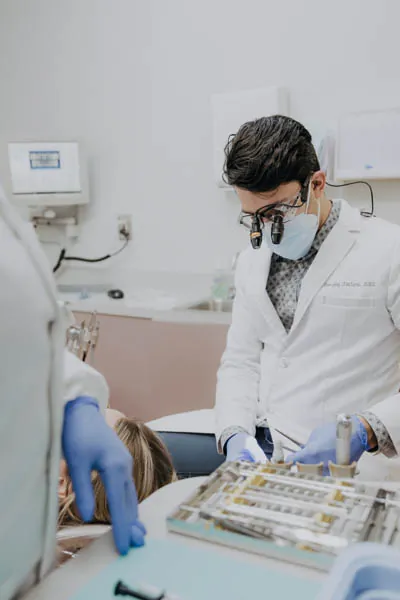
{"x": 318, "y": 183}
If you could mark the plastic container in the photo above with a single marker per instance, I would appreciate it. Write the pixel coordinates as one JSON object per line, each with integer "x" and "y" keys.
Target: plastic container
{"x": 364, "y": 572}
{"x": 223, "y": 286}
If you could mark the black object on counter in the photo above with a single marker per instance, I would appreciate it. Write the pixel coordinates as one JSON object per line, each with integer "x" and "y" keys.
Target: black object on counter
{"x": 121, "y": 589}
{"x": 116, "y": 294}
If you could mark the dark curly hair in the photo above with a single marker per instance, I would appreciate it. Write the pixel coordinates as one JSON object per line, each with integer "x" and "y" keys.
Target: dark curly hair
{"x": 268, "y": 152}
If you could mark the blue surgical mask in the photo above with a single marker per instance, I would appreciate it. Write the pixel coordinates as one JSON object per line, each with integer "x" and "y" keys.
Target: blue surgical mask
{"x": 298, "y": 235}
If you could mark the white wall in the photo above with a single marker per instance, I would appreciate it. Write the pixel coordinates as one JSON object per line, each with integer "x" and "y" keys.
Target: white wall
{"x": 132, "y": 80}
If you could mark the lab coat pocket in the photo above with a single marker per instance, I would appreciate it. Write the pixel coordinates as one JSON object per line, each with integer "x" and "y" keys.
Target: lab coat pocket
{"x": 349, "y": 319}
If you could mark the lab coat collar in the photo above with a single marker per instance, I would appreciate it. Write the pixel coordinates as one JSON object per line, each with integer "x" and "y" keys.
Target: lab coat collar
{"x": 334, "y": 249}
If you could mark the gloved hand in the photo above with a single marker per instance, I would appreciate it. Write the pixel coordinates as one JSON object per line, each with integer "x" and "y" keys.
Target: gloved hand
{"x": 89, "y": 444}
{"x": 321, "y": 445}
{"x": 242, "y": 446}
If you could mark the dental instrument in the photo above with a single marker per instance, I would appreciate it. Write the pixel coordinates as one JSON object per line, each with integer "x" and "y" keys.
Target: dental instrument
{"x": 299, "y": 517}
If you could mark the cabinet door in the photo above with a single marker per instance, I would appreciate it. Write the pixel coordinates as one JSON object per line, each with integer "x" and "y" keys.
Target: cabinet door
{"x": 122, "y": 356}
{"x": 155, "y": 369}
{"x": 184, "y": 361}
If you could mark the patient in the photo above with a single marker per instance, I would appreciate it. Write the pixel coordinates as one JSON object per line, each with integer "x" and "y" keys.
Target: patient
{"x": 152, "y": 469}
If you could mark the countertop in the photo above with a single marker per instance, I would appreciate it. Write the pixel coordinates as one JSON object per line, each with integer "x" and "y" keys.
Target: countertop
{"x": 159, "y": 296}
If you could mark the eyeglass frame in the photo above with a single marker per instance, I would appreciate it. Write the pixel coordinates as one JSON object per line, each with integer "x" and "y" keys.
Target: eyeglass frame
{"x": 259, "y": 215}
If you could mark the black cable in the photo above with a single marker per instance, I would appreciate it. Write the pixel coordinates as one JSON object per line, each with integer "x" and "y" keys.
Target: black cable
{"x": 60, "y": 260}
{"x": 63, "y": 256}
{"x": 364, "y": 212}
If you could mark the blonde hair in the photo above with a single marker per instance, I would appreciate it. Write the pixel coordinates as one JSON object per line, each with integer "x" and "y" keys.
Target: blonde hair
{"x": 152, "y": 469}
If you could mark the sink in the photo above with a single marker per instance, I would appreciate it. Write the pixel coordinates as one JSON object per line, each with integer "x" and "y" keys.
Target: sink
{"x": 213, "y": 305}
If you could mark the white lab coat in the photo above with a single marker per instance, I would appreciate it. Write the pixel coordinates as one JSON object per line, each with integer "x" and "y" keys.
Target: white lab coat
{"x": 342, "y": 352}
{"x": 33, "y": 390}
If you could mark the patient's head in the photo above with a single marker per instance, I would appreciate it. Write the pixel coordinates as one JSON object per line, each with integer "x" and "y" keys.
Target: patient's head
{"x": 152, "y": 469}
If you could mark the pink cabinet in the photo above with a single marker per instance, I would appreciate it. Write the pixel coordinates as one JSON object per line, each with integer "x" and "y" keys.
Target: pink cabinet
{"x": 158, "y": 368}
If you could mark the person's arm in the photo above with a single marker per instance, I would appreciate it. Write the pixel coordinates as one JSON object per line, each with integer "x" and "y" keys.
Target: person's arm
{"x": 239, "y": 374}
{"x": 89, "y": 444}
{"x": 379, "y": 439}
{"x": 376, "y": 430}
{"x": 384, "y": 417}
{"x": 80, "y": 379}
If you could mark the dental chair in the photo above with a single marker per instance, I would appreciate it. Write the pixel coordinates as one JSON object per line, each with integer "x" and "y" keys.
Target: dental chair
{"x": 190, "y": 439}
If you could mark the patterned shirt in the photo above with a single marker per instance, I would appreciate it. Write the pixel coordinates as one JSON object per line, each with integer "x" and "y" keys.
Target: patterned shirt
{"x": 285, "y": 276}
{"x": 283, "y": 287}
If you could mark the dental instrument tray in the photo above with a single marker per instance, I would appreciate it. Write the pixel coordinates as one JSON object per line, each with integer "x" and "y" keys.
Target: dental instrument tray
{"x": 301, "y": 518}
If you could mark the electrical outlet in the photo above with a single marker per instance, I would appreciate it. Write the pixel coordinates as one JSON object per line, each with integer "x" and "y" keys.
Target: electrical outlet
{"x": 125, "y": 227}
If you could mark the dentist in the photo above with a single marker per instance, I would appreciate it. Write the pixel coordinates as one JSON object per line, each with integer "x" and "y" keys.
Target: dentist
{"x": 316, "y": 319}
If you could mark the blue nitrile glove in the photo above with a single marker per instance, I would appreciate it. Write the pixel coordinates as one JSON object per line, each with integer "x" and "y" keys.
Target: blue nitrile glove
{"x": 242, "y": 446}
{"x": 321, "y": 445}
{"x": 89, "y": 444}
